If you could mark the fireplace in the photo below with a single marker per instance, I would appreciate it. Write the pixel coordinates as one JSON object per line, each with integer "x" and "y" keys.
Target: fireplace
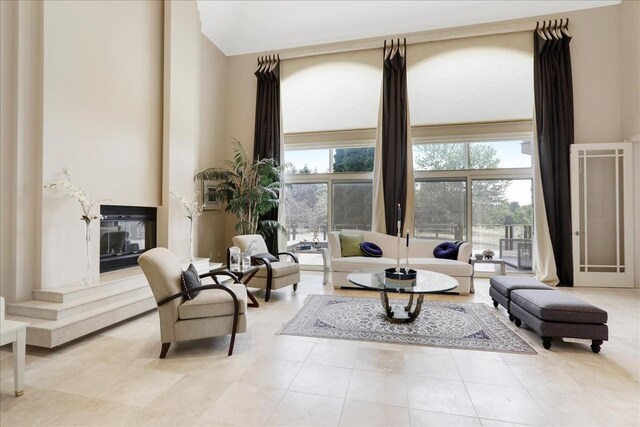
{"x": 125, "y": 233}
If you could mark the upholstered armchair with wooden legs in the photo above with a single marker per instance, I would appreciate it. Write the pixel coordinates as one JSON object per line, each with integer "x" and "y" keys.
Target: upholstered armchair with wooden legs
{"x": 272, "y": 274}
{"x": 217, "y": 310}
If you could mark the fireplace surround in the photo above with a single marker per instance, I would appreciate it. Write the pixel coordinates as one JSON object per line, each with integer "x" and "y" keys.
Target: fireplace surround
{"x": 125, "y": 233}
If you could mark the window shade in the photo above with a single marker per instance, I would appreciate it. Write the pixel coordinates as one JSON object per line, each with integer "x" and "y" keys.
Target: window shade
{"x": 331, "y": 92}
{"x": 477, "y": 79}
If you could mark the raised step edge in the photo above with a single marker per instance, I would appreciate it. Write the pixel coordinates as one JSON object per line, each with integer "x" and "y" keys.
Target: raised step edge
{"x": 51, "y": 334}
{"x": 60, "y": 310}
{"x": 111, "y": 278}
{"x": 70, "y": 293}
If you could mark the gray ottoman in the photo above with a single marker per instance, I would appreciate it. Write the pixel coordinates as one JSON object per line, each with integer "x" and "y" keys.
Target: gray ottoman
{"x": 502, "y": 286}
{"x": 557, "y": 314}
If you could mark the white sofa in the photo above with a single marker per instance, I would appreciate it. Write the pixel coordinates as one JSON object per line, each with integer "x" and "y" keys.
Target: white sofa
{"x": 420, "y": 257}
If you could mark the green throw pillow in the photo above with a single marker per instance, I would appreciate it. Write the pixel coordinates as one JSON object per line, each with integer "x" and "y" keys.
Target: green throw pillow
{"x": 350, "y": 244}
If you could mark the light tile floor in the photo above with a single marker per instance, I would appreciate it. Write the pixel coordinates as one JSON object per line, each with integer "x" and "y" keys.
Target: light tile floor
{"x": 115, "y": 377}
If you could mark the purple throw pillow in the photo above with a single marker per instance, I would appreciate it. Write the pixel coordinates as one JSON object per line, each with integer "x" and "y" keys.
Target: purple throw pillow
{"x": 370, "y": 249}
{"x": 447, "y": 250}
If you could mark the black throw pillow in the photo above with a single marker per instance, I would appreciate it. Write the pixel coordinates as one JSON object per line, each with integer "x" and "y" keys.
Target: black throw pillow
{"x": 191, "y": 280}
{"x": 447, "y": 250}
{"x": 265, "y": 255}
{"x": 371, "y": 250}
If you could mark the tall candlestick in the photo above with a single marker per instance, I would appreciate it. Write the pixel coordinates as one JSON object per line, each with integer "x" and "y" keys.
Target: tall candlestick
{"x": 398, "y": 265}
{"x": 399, "y": 233}
{"x": 407, "y": 251}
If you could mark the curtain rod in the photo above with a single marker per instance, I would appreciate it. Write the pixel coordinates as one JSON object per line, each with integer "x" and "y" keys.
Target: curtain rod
{"x": 412, "y": 39}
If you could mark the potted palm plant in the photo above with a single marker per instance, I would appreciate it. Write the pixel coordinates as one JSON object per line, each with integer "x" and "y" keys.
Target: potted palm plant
{"x": 248, "y": 190}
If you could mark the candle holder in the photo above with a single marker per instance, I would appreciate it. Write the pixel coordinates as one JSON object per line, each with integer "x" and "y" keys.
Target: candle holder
{"x": 403, "y": 274}
{"x": 404, "y": 278}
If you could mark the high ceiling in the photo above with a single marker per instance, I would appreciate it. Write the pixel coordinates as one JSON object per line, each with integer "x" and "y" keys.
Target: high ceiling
{"x": 239, "y": 27}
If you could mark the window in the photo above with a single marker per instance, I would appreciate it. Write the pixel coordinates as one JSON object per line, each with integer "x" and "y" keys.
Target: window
{"x": 330, "y": 160}
{"x": 352, "y": 204}
{"x": 477, "y": 190}
{"x": 439, "y": 156}
{"x": 308, "y": 161}
{"x": 441, "y": 211}
{"x": 503, "y": 219}
{"x": 306, "y": 211}
{"x": 448, "y": 156}
{"x": 500, "y": 154}
{"x": 472, "y": 182}
{"x": 354, "y": 159}
{"x": 335, "y": 181}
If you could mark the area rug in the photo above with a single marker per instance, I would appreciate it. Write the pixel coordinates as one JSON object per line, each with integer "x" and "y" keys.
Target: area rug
{"x": 440, "y": 324}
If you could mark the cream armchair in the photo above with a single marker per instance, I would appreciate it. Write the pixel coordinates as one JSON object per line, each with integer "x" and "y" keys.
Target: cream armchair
{"x": 217, "y": 310}
{"x": 272, "y": 274}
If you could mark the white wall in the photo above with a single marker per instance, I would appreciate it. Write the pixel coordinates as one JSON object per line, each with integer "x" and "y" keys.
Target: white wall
{"x": 8, "y": 102}
{"x": 102, "y": 91}
{"x": 111, "y": 90}
{"x": 21, "y": 147}
{"x": 630, "y": 55}
{"x": 630, "y": 41}
{"x": 213, "y": 142}
{"x": 596, "y": 66}
{"x": 181, "y": 122}
{"x": 241, "y": 110}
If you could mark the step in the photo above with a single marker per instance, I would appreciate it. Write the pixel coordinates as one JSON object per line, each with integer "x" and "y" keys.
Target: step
{"x": 101, "y": 296}
{"x": 112, "y": 280}
{"x": 52, "y": 333}
{"x": 63, "y": 314}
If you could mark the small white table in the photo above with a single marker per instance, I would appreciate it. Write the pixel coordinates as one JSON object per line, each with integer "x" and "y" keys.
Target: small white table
{"x": 496, "y": 261}
{"x": 16, "y": 333}
{"x": 313, "y": 251}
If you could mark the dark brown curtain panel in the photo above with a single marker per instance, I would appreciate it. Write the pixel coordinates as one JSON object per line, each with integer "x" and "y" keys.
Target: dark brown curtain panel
{"x": 394, "y": 134}
{"x": 266, "y": 143}
{"x": 553, "y": 90}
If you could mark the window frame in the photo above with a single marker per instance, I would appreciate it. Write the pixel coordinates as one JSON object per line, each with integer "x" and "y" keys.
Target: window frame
{"x": 356, "y": 138}
{"x": 329, "y": 179}
{"x": 314, "y": 181}
{"x": 469, "y": 175}
{"x": 467, "y": 200}
{"x": 467, "y": 132}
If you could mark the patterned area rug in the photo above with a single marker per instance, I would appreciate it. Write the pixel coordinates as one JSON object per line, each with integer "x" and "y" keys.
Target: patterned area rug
{"x": 440, "y": 324}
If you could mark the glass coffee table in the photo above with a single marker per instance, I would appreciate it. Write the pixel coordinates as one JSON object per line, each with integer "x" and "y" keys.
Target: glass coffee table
{"x": 426, "y": 282}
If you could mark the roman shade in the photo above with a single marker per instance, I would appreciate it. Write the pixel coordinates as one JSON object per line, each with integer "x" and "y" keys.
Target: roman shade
{"x": 331, "y": 92}
{"x": 470, "y": 80}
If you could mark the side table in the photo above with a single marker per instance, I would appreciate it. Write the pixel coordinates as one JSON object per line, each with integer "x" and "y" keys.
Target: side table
{"x": 325, "y": 262}
{"x": 244, "y": 276}
{"x": 495, "y": 261}
{"x": 15, "y": 333}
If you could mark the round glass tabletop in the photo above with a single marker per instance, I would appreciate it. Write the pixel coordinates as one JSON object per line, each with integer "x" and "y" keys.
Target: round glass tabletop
{"x": 426, "y": 282}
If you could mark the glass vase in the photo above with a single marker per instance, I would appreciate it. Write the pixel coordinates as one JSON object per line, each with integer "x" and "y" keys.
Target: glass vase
{"x": 87, "y": 276}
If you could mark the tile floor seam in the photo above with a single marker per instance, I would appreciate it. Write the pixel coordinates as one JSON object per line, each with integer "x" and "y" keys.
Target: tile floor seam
{"x": 342, "y": 408}
{"x": 466, "y": 390}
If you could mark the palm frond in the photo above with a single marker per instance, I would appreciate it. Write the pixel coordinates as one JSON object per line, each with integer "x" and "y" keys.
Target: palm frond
{"x": 248, "y": 189}
{"x": 211, "y": 174}
{"x": 270, "y": 227}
